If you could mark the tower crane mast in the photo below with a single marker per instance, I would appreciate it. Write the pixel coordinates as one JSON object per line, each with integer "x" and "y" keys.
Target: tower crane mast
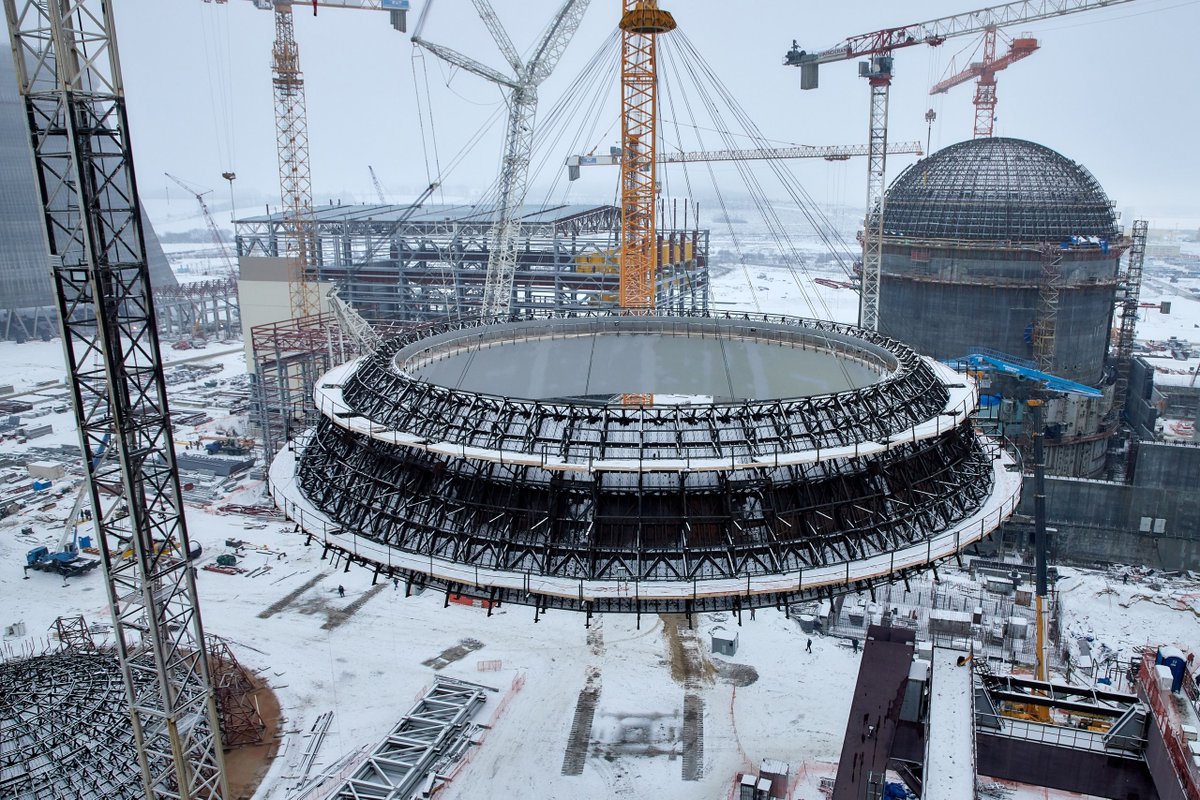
{"x": 291, "y": 135}
{"x": 641, "y": 23}
{"x": 985, "y": 70}
{"x": 877, "y": 47}
{"x": 522, "y": 109}
{"x": 69, "y": 77}
{"x": 295, "y": 178}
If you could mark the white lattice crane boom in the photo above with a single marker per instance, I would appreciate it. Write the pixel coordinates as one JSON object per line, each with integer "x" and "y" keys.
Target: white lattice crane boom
{"x": 213, "y": 231}
{"x": 827, "y": 152}
{"x": 522, "y": 109}
{"x": 877, "y": 46}
{"x": 378, "y": 186}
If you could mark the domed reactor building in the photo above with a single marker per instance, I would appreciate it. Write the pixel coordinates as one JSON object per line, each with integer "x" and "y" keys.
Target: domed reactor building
{"x": 614, "y": 463}
{"x": 991, "y": 242}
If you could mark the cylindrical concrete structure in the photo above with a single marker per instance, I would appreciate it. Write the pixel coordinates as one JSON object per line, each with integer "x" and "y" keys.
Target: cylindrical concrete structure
{"x": 965, "y": 231}
{"x": 968, "y": 234}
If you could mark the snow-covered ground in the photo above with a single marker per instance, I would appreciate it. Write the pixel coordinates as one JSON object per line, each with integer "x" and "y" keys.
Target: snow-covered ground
{"x": 772, "y": 700}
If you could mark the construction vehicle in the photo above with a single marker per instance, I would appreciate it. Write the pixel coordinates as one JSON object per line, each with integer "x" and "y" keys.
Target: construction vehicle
{"x": 66, "y": 559}
{"x": 227, "y": 444}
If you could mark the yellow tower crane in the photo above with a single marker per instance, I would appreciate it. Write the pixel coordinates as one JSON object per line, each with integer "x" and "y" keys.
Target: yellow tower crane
{"x": 641, "y": 23}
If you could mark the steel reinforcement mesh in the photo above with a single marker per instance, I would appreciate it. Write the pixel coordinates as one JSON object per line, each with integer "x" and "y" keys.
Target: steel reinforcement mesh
{"x": 581, "y": 432}
{"x": 998, "y": 189}
{"x": 65, "y": 729}
{"x": 644, "y": 526}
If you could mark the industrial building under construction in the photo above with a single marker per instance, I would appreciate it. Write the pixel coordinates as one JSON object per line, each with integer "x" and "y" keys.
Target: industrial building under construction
{"x": 401, "y": 265}
{"x": 475, "y": 419}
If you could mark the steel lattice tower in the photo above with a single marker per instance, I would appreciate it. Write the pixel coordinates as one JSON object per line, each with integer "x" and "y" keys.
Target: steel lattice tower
{"x": 1129, "y": 310}
{"x": 295, "y": 178}
{"x": 518, "y": 144}
{"x": 69, "y": 75}
{"x": 641, "y": 23}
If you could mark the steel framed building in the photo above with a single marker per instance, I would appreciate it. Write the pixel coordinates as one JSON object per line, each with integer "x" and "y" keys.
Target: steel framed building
{"x": 401, "y": 264}
{"x": 780, "y": 458}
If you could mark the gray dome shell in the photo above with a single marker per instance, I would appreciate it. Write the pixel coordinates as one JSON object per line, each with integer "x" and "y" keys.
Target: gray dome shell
{"x": 997, "y": 189}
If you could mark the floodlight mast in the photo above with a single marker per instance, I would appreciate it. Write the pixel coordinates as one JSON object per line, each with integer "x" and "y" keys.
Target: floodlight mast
{"x": 522, "y": 109}
{"x": 68, "y": 74}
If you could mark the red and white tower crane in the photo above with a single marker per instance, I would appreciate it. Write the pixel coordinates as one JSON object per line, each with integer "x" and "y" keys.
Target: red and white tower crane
{"x": 985, "y": 71}
{"x": 877, "y": 47}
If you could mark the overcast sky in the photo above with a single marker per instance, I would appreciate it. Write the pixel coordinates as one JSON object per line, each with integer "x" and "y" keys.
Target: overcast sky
{"x": 1113, "y": 89}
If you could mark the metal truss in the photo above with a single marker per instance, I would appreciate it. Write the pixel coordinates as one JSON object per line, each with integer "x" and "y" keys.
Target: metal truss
{"x": 295, "y": 178}
{"x": 1045, "y": 329}
{"x": 671, "y": 526}
{"x": 73, "y": 633}
{"x": 436, "y": 728}
{"x": 999, "y": 190}
{"x": 586, "y": 432}
{"x": 427, "y": 268}
{"x": 69, "y": 76}
{"x": 518, "y": 147}
{"x": 64, "y": 727}
{"x": 202, "y": 307}
{"x": 337, "y": 225}
{"x": 880, "y": 80}
{"x": 660, "y": 523}
{"x": 241, "y": 724}
{"x": 1123, "y": 353}
{"x": 289, "y": 357}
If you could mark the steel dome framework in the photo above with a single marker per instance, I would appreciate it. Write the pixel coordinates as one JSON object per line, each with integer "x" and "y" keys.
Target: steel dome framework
{"x": 998, "y": 189}
{"x": 608, "y": 507}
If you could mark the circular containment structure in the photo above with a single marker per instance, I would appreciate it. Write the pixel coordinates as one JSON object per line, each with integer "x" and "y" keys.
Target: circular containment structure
{"x": 767, "y": 459}
{"x": 65, "y": 729}
{"x": 972, "y": 234}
